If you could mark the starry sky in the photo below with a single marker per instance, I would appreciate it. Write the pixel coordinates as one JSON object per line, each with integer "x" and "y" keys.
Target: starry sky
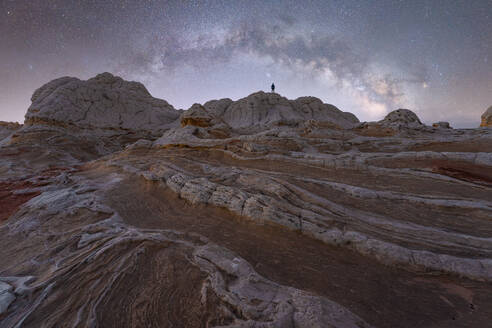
{"x": 367, "y": 57}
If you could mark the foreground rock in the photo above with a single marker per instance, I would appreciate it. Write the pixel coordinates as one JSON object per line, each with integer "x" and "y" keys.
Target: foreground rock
{"x": 261, "y": 212}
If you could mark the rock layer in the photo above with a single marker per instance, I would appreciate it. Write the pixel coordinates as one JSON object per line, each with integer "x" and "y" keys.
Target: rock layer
{"x": 487, "y": 118}
{"x": 261, "y": 212}
{"x": 7, "y": 129}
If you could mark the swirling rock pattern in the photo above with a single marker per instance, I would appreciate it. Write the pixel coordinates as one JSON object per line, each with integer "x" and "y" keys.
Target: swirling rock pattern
{"x": 261, "y": 212}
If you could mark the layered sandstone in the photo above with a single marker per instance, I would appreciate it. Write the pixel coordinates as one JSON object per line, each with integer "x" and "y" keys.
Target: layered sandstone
{"x": 105, "y": 101}
{"x": 261, "y": 212}
{"x": 487, "y": 118}
{"x": 8, "y": 128}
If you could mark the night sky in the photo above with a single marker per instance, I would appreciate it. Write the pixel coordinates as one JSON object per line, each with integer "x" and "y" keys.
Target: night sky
{"x": 366, "y": 57}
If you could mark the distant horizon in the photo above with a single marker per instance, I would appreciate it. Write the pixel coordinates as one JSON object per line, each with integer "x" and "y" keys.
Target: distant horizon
{"x": 465, "y": 125}
{"x": 367, "y": 58}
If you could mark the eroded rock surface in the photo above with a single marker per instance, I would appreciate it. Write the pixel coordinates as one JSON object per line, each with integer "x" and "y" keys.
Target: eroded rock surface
{"x": 7, "y": 129}
{"x": 441, "y": 125}
{"x": 487, "y": 118}
{"x": 261, "y": 212}
{"x": 105, "y": 101}
{"x": 266, "y": 109}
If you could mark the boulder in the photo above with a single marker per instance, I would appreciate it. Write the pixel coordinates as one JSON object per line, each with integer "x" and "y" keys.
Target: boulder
{"x": 487, "y": 118}
{"x": 401, "y": 118}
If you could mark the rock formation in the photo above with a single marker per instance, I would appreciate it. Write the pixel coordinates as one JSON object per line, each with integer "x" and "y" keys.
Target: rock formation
{"x": 7, "y": 129}
{"x": 441, "y": 125}
{"x": 104, "y": 101}
{"x": 270, "y": 109}
{"x": 487, "y": 118}
{"x": 121, "y": 211}
{"x": 401, "y": 118}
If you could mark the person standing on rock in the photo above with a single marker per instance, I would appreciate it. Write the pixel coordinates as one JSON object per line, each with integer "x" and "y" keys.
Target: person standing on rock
{"x": 273, "y": 87}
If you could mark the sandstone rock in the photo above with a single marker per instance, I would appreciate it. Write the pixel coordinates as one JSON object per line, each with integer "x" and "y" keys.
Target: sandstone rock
{"x": 105, "y": 101}
{"x": 401, "y": 118}
{"x": 441, "y": 125}
{"x": 487, "y": 118}
{"x": 6, "y": 297}
{"x": 7, "y": 128}
{"x": 375, "y": 129}
{"x": 217, "y": 107}
{"x": 197, "y": 115}
{"x": 267, "y": 109}
{"x": 261, "y": 212}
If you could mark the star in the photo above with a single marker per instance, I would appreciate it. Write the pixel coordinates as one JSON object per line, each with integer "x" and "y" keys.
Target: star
{"x": 194, "y": 51}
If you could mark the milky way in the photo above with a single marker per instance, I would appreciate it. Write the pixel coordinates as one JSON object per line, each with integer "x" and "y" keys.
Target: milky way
{"x": 366, "y": 57}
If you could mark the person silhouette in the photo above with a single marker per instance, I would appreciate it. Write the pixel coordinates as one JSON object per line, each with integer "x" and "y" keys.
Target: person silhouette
{"x": 273, "y": 87}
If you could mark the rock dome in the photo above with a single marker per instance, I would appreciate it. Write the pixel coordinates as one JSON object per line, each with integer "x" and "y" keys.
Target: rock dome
{"x": 105, "y": 101}
{"x": 402, "y": 118}
{"x": 265, "y": 109}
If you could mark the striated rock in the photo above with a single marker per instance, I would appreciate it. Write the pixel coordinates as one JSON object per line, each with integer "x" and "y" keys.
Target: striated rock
{"x": 487, "y": 118}
{"x": 396, "y": 122}
{"x": 441, "y": 125}
{"x": 71, "y": 120}
{"x": 401, "y": 118}
{"x": 267, "y": 109}
{"x": 373, "y": 129}
{"x": 261, "y": 212}
{"x": 8, "y": 128}
{"x": 217, "y": 107}
{"x": 197, "y": 115}
{"x": 6, "y": 297}
{"x": 105, "y": 101}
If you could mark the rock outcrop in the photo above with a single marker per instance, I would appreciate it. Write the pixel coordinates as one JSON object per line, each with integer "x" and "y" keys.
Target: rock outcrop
{"x": 400, "y": 121}
{"x": 71, "y": 120}
{"x": 270, "y": 109}
{"x": 441, "y": 125}
{"x": 401, "y": 118}
{"x": 7, "y": 128}
{"x": 105, "y": 101}
{"x": 197, "y": 115}
{"x": 119, "y": 210}
{"x": 487, "y": 118}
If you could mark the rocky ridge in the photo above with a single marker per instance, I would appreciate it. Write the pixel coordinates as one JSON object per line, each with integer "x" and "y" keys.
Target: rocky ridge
{"x": 261, "y": 212}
